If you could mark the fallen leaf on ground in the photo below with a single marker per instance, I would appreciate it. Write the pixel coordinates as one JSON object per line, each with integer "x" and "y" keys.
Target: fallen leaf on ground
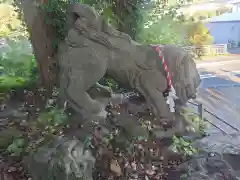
{"x": 114, "y": 167}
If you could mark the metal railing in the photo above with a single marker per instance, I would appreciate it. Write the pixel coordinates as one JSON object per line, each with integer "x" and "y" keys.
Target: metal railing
{"x": 201, "y": 113}
{"x": 214, "y": 49}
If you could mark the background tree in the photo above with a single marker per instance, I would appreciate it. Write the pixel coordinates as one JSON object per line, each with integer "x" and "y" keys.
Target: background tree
{"x": 164, "y": 31}
{"x": 198, "y": 34}
{"x": 8, "y": 20}
{"x": 163, "y": 24}
{"x": 42, "y": 36}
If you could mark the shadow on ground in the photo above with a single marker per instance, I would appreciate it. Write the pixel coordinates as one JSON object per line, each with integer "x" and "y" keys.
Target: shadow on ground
{"x": 234, "y": 51}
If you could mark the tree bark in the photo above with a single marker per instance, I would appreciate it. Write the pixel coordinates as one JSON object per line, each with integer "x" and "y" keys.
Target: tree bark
{"x": 128, "y": 22}
{"x": 41, "y": 36}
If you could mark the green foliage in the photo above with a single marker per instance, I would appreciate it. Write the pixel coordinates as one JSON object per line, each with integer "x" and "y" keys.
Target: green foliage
{"x": 52, "y": 117}
{"x": 8, "y": 135}
{"x": 106, "y": 81}
{"x": 197, "y": 124}
{"x": 130, "y": 16}
{"x": 16, "y": 148}
{"x": 7, "y": 83}
{"x": 161, "y": 9}
{"x": 124, "y": 15}
{"x": 105, "y": 8}
{"x": 17, "y": 65}
{"x": 50, "y": 123}
{"x": 198, "y": 34}
{"x": 16, "y": 61}
{"x": 55, "y": 11}
{"x": 166, "y": 31}
{"x": 162, "y": 24}
{"x": 182, "y": 146}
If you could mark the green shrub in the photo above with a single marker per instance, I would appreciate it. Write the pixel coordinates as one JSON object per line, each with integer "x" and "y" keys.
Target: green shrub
{"x": 165, "y": 31}
{"x": 182, "y": 146}
{"x": 198, "y": 34}
{"x": 17, "y": 65}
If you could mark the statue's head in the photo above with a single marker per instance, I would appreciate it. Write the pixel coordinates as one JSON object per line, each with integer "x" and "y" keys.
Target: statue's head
{"x": 83, "y": 17}
{"x": 85, "y": 20}
{"x": 185, "y": 77}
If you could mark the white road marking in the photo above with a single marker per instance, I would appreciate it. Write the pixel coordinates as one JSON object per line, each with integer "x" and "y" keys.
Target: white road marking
{"x": 205, "y": 76}
{"x": 231, "y": 74}
{"x": 217, "y": 63}
{"x": 235, "y": 72}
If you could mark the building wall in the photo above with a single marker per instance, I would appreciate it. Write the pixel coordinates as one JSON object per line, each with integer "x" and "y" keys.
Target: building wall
{"x": 236, "y": 7}
{"x": 223, "y": 32}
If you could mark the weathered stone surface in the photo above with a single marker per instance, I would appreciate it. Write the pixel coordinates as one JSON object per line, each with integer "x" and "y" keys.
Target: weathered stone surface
{"x": 209, "y": 166}
{"x": 92, "y": 48}
{"x": 63, "y": 159}
{"x": 220, "y": 143}
{"x": 219, "y": 159}
{"x": 226, "y": 145}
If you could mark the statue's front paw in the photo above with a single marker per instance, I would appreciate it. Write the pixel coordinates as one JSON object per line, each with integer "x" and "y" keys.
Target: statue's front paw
{"x": 167, "y": 129}
{"x": 117, "y": 99}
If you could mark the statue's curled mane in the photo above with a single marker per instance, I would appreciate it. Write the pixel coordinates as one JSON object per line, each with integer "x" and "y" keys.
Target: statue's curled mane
{"x": 97, "y": 29}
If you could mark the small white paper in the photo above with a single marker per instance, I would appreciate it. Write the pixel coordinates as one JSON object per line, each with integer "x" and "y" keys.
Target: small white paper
{"x": 171, "y": 103}
{"x": 170, "y": 99}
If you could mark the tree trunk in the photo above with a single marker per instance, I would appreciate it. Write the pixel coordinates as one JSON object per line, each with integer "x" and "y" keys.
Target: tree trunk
{"x": 129, "y": 24}
{"x": 41, "y": 36}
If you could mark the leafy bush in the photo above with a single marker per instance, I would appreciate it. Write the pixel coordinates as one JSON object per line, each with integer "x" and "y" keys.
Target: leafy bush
{"x": 52, "y": 119}
{"x": 163, "y": 23}
{"x": 17, "y": 146}
{"x": 182, "y": 146}
{"x": 198, "y": 34}
{"x": 17, "y": 65}
{"x": 15, "y": 56}
{"x": 160, "y": 33}
{"x": 104, "y": 8}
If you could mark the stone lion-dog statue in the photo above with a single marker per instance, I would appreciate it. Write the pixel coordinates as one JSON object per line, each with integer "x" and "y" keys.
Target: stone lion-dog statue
{"x": 93, "y": 48}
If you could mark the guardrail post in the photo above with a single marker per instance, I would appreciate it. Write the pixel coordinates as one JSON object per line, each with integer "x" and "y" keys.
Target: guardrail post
{"x": 215, "y": 49}
{"x": 225, "y": 48}
{"x": 200, "y": 110}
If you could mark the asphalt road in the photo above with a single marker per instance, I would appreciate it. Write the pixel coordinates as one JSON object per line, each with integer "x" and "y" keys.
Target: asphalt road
{"x": 219, "y": 92}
